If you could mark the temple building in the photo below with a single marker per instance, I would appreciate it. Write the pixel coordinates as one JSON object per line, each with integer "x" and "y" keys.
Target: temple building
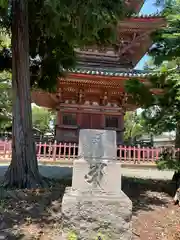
{"x": 92, "y": 95}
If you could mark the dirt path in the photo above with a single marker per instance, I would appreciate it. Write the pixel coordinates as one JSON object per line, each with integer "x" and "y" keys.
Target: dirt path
{"x": 154, "y": 215}
{"x": 161, "y": 224}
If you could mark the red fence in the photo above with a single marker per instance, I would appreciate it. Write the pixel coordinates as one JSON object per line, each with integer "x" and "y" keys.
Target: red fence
{"x": 69, "y": 151}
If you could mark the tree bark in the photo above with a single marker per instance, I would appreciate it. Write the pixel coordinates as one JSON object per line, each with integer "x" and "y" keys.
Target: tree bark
{"x": 176, "y": 176}
{"x": 177, "y": 140}
{"x": 23, "y": 170}
{"x": 177, "y": 197}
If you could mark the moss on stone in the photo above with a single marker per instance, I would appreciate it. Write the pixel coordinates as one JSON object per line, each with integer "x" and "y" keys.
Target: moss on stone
{"x": 100, "y": 236}
{"x": 72, "y": 236}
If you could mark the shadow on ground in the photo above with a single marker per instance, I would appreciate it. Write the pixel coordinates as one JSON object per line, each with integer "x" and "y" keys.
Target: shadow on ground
{"x": 37, "y": 214}
{"x": 146, "y": 194}
{"x": 32, "y": 214}
{"x": 57, "y": 172}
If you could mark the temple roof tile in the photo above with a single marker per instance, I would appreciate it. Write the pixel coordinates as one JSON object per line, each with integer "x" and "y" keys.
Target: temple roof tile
{"x": 133, "y": 73}
{"x": 140, "y": 15}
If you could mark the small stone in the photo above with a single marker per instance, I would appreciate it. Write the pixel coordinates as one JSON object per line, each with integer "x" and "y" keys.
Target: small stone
{"x": 3, "y": 236}
{"x": 21, "y": 195}
{"x": 3, "y": 225}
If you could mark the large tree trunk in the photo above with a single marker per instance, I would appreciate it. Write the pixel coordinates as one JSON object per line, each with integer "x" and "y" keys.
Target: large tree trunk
{"x": 176, "y": 176}
{"x": 23, "y": 170}
{"x": 177, "y": 140}
{"x": 177, "y": 197}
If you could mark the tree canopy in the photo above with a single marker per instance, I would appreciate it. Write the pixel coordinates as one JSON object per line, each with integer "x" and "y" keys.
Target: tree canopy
{"x": 167, "y": 40}
{"x": 162, "y": 109}
{"x": 43, "y": 119}
{"x": 56, "y": 28}
{"x": 134, "y": 126}
{"x": 45, "y": 34}
{"x": 5, "y": 100}
{"x": 5, "y": 88}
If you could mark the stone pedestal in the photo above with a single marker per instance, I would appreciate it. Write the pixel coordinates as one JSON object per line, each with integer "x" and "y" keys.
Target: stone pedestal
{"x": 95, "y": 208}
{"x": 97, "y": 214}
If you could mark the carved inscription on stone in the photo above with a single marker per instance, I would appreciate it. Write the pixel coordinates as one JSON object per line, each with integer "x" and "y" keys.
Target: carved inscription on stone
{"x": 95, "y": 174}
{"x": 97, "y": 145}
{"x": 96, "y": 148}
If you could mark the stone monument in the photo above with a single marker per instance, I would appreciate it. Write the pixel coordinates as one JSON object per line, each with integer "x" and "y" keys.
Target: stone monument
{"x": 95, "y": 207}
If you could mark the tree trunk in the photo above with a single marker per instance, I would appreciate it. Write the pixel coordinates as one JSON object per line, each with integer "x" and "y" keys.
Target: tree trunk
{"x": 177, "y": 197}
{"x": 176, "y": 176}
{"x": 177, "y": 140}
{"x": 23, "y": 170}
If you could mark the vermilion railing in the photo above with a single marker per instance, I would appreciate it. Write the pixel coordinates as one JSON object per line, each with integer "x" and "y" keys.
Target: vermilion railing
{"x": 69, "y": 151}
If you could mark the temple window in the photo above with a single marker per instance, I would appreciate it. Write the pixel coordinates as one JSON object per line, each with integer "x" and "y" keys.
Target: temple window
{"x": 69, "y": 119}
{"x": 111, "y": 122}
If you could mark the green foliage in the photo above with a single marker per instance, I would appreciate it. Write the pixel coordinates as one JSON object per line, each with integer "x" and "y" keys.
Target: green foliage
{"x": 3, "y": 3}
{"x": 134, "y": 126}
{"x": 167, "y": 40}
{"x": 5, "y": 87}
{"x": 140, "y": 92}
{"x": 5, "y": 100}
{"x": 162, "y": 110}
{"x": 100, "y": 236}
{"x": 43, "y": 119}
{"x": 72, "y": 236}
{"x": 169, "y": 159}
{"x": 165, "y": 115}
{"x": 58, "y": 27}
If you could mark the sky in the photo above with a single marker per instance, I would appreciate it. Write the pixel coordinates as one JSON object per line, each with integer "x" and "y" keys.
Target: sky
{"x": 148, "y": 8}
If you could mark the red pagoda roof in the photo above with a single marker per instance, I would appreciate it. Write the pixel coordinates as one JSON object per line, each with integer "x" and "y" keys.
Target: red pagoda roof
{"x": 107, "y": 69}
{"x": 119, "y": 74}
{"x": 133, "y": 42}
{"x": 93, "y": 85}
{"x": 135, "y": 4}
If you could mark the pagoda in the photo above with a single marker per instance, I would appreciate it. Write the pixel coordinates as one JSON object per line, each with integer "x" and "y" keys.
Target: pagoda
{"x": 92, "y": 95}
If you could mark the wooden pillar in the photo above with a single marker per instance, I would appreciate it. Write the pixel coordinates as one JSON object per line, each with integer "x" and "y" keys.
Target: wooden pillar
{"x": 58, "y": 118}
{"x": 78, "y": 116}
{"x": 121, "y": 127}
{"x": 103, "y": 121}
{"x": 79, "y": 119}
{"x": 58, "y": 122}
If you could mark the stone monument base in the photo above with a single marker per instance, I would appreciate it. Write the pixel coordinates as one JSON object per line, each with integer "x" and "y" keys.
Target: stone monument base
{"x": 97, "y": 215}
